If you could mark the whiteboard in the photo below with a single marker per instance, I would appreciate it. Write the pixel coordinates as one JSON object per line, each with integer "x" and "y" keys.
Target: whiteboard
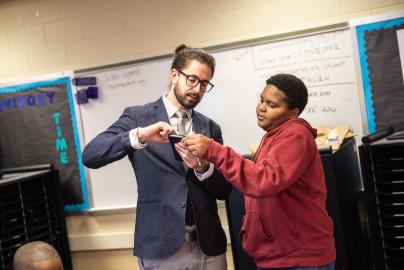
{"x": 324, "y": 61}
{"x": 114, "y": 185}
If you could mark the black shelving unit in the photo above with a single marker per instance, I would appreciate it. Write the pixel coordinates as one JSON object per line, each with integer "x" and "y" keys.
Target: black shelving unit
{"x": 382, "y": 164}
{"x": 346, "y": 206}
{"x": 31, "y": 209}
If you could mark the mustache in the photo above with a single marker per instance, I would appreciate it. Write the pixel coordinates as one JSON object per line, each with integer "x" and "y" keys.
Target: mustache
{"x": 194, "y": 96}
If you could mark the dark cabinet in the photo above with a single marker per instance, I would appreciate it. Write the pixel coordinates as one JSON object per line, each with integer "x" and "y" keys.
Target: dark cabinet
{"x": 383, "y": 173}
{"x": 346, "y": 206}
{"x": 31, "y": 209}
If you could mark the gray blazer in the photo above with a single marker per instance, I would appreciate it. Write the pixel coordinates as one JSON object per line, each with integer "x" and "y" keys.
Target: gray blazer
{"x": 163, "y": 184}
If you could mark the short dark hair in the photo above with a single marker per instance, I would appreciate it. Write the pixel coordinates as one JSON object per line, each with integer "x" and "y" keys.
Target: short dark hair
{"x": 293, "y": 88}
{"x": 183, "y": 54}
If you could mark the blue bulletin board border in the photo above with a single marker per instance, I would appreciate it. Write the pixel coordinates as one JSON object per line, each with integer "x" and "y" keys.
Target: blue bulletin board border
{"x": 66, "y": 81}
{"x": 367, "y": 86}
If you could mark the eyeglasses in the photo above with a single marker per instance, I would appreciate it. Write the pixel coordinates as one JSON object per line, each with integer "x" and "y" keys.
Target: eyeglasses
{"x": 193, "y": 81}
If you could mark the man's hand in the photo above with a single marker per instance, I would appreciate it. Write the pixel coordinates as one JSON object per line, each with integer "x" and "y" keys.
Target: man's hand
{"x": 190, "y": 160}
{"x": 155, "y": 133}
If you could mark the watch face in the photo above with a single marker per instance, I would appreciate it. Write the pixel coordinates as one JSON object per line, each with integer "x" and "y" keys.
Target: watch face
{"x": 206, "y": 168}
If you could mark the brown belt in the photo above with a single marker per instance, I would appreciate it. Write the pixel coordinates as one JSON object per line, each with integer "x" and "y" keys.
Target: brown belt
{"x": 190, "y": 236}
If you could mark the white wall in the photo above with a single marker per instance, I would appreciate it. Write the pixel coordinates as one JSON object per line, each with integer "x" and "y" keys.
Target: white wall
{"x": 47, "y": 36}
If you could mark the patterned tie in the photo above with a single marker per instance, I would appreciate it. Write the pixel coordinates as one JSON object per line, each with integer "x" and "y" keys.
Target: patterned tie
{"x": 182, "y": 120}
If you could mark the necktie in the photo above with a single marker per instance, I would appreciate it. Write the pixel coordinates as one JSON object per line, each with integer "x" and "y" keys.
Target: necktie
{"x": 182, "y": 120}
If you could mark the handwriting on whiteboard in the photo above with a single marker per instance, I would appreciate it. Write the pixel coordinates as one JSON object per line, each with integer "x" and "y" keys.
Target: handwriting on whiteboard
{"x": 324, "y": 63}
{"x": 316, "y": 108}
{"x": 116, "y": 80}
{"x": 306, "y": 49}
{"x": 321, "y": 72}
{"x": 241, "y": 54}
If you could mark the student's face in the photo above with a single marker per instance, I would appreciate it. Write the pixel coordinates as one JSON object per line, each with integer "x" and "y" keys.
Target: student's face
{"x": 272, "y": 109}
{"x": 51, "y": 264}
{"x": 186, "y": 96}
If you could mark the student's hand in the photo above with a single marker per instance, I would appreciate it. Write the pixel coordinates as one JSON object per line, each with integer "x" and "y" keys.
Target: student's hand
{"x": 155, "y": 133}
{"x": 197, "y": 144}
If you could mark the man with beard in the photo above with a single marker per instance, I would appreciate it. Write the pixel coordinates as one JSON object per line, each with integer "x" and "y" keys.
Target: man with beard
{"x": 177, "y": 222}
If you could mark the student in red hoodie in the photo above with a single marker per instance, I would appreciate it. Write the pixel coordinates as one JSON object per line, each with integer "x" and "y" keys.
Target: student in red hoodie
{"x": 286, "y": 223}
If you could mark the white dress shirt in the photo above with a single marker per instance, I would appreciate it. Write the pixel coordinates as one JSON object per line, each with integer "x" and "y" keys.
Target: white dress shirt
{"x": 171, "y": 110}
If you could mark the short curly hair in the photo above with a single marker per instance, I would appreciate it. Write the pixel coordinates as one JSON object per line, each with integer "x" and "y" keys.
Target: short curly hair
{"x": 293, "y": 88}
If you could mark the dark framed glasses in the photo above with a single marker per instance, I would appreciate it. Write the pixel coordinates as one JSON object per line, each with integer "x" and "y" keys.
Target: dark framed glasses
{"x": 193, "y": 81}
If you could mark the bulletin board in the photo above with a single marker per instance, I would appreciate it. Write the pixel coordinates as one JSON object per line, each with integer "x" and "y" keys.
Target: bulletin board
{"x": 38, "y": 125}
{"x": 381, "y": 55}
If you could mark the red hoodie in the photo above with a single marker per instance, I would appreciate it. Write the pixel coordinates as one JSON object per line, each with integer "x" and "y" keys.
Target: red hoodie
{"x": 286, "y": 222}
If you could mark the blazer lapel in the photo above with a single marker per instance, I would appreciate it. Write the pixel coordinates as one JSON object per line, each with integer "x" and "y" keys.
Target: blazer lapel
{"x": 199, "y": 125}
{"x": 160, "y": 113}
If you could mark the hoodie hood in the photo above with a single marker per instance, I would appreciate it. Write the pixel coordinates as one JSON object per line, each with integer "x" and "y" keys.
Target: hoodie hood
{"x": 293, "y": 121}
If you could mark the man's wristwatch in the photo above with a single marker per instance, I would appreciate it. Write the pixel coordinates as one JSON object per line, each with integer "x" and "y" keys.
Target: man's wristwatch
{"x": 204, "y": 169}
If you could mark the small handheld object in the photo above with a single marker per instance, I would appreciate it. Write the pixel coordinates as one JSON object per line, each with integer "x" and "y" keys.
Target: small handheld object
{"x": 175, "y": 138}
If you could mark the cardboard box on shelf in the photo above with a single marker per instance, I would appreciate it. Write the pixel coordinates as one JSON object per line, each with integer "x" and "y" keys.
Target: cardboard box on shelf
{"x": 326, "y": 135}
{"x": 334, "y": 137}
{"x": 253, "y": 148}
